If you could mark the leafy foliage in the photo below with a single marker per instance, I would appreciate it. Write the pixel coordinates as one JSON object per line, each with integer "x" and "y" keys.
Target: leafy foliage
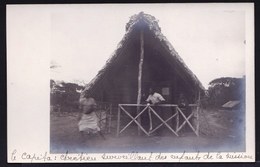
{"x": 222, "y": 90}
{"x": 65, "y": 95}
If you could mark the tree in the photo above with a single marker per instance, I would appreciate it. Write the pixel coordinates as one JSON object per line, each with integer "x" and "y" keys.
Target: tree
{"x": 65, "y": 95}
{"x": 222, "y": 90}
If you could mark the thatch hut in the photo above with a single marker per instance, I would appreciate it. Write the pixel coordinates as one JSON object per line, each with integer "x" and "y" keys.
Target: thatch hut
{"x": 143, "y": 58}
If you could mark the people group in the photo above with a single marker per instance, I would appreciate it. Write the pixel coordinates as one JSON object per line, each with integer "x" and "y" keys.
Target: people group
{"x": 88, "y": 124}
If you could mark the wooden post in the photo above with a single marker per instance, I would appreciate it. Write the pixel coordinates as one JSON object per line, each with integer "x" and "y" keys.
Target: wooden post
{"x": 118, "y": 121}
{"x": 175, "y": 95}
{"x": 110, "y": 118}
{"x": 150, "y": 120}
{"x": 198, "y": 109}
{"x": 139, "y": 94}
{"x": 177, "y": 119}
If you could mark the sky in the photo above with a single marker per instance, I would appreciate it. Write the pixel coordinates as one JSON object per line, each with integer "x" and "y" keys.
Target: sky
{"x": 210, "y": 38}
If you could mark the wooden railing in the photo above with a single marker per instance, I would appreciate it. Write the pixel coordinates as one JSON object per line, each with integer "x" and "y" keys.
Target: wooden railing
{"x": 178, "y": 113}
{"x": 104, "y": 114}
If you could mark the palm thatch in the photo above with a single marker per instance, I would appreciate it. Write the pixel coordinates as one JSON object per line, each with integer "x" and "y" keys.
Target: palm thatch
{"x": 157, "y": 48}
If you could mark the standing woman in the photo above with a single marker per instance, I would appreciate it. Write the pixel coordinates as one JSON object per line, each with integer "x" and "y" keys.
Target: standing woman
{"x": 88, "y": 120}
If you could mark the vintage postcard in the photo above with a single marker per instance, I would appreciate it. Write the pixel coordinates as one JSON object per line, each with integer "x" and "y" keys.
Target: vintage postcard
{"x": 131, "y": 83}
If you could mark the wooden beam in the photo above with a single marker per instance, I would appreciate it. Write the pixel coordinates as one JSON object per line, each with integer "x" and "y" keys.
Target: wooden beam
{"x": 139, "y": 93}
{"x": 198, "y": 114}
{"x": 175, "y": 95}
{"x": 138, "y": 124}
{"x": 186, "y": 120}
{"x": 118, "y": 120}
{"x": 133, "y": 120}
{"x": 110, "y": 118}
{"x": 163, "y": 121}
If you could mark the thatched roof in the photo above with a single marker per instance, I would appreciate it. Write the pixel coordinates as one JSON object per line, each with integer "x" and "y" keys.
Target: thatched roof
{"x": 152, "y": 23}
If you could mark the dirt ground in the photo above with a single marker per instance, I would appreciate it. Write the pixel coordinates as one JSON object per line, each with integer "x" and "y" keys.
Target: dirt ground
{"x": 219, "y": 131}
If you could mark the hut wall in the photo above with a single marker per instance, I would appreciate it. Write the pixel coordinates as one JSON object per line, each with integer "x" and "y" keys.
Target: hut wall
{"x": 120, "y": 85}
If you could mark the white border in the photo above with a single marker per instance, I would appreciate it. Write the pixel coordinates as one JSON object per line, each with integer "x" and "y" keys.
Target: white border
{"x": 28, "y": 96}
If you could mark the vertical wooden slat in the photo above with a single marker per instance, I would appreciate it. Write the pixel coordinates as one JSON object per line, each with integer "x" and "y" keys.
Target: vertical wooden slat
{"x": 198, "y": 109}
{"x": 177, "y": 118}
{"x": 139, "y": 94}
{"x": 150, "y": 120}
{"x": 175, "y": 95}
{"x": 118, "y": 120}
{"x": 110, "y": 118}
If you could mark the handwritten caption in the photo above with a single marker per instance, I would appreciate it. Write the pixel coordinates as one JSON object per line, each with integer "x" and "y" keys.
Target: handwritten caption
{"x": 133, "y": 156}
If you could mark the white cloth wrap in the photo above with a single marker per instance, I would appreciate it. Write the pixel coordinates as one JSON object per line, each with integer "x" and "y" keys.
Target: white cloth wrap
{"x": 89, "y": 123}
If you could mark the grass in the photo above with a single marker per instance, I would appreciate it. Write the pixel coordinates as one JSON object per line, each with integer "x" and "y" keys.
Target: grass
{"x": 220, "y": 131}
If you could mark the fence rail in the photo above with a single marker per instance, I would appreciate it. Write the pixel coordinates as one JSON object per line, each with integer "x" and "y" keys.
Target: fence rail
{"x": 178, "y": 116}
{"x": 104, "y": 114}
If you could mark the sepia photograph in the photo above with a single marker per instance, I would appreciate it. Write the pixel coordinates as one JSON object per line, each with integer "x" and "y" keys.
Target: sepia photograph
{"x": 134, "y": 82}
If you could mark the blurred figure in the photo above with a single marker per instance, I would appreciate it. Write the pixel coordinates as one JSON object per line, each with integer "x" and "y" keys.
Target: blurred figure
{"x": 183, "y": 104}
{"x": 155, "y": 99}
{"x": 88, "y": 121}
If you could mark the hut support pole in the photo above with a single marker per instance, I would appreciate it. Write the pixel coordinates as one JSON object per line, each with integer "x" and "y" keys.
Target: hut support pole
{"x": 198, "y": 114}
{"x": 175, "y": 95}
{"x": 139, "y": 94}
{"x": 110, "y": 118}
{"x": 118, "y": 121}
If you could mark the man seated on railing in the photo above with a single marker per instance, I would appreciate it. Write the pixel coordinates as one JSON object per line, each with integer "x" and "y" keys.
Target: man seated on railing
{"x": 155, "y": 98}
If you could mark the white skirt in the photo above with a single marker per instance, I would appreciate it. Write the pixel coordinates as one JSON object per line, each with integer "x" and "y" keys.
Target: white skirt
{"x": 89, "y": 123}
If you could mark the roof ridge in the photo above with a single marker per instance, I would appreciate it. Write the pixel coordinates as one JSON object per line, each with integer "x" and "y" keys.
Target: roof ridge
{"x": 153, "y": 25}
{"x": 147, "y": 18}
